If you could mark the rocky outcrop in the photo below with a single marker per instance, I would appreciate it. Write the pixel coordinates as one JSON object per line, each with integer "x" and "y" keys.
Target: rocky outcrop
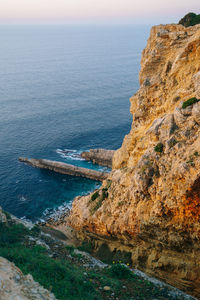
{"x": 99, "y": 156}
{"x": 152, "y": 203}
{"x": 64, "y": 168}
{"x": 14, "y": 285}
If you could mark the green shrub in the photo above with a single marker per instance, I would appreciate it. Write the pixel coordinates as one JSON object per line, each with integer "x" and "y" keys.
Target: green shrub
{"x": 70, "y": 248}
{"x": 95, "y": 196}
{"x": 190, "y": 102}
{"x": 8, "y": 216}
{"x": 86, "y": 246}
{"x": 159, "y": 147}
{"x": 190, "y": 19}
{"x": 35, "y": 230}
{"x": 104, "y": 194}
{"x": 120, "y": 271}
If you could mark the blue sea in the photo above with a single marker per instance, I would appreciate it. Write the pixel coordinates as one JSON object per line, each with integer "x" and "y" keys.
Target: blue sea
{"x": 63, "y": 89}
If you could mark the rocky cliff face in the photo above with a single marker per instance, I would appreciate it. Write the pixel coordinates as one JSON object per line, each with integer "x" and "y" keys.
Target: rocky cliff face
{"x": 151, "y": 201}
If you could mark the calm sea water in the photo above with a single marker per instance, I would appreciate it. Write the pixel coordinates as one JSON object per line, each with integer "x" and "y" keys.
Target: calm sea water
{"x": 61, "y": 87}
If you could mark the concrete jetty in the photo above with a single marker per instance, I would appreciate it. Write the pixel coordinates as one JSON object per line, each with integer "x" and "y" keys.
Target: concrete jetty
{"x": 64, "y": 168}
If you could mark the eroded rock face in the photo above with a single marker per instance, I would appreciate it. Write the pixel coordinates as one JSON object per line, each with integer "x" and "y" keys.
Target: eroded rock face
{"x": 15, "y": 286}
{"x": 153, "y": 200}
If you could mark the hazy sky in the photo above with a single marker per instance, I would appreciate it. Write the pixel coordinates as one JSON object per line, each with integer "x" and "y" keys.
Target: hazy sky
{"x": 95, "y": 11}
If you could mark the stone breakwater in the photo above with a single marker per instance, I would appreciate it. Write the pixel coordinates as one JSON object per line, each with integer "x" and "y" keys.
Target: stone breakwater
{"x": 102, "y": 157}
{"x": 64, "y": 168}
{"x": 152, "y": 199}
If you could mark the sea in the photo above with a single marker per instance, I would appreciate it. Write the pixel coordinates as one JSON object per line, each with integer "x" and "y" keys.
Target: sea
{"x": 64, "y": 89}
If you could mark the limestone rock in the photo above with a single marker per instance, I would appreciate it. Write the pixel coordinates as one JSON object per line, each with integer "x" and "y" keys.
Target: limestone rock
{"x": 153, "y": 202}
{"x": 15, "y": 286}
{"x": 196, "y": 112}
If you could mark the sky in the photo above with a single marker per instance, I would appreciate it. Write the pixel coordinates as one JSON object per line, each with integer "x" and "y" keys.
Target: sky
{"x": 96, "y": 11}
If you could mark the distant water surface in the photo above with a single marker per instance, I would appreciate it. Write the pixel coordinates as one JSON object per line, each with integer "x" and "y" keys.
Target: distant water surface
{"x": 61, "y": 87}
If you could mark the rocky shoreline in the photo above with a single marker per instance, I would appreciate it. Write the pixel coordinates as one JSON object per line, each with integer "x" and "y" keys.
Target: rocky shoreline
{"x": 101, "y": 157}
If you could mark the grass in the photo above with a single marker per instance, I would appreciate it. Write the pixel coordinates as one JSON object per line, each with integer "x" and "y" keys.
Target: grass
{"x": 69, "y": 279}
{"x": 59, "y": 276}
{"x": 190, "y": 102}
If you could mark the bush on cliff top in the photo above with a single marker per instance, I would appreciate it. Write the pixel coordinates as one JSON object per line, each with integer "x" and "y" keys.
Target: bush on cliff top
{"x": 190, "y": 19}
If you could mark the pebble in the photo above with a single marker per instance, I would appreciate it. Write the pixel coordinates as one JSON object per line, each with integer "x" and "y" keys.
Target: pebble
{"x": 106, "y": 288}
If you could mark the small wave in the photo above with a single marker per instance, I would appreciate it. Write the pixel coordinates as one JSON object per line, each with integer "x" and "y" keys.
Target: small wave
{"x": 55, "y": 213}
{"x": 23, "y": 199}
{"x": 70, "y": 154}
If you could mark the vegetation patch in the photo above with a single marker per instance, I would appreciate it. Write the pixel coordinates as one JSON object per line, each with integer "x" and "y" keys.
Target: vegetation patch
{"x": 8, "y": 216}
{"x": 100, "y": 200}
{"x": 66, "y": 275}
{"x": 113, "y": 257}
{"x": 86, "y": 246}
{"x": 190, "y": 19}
{"x": 96, "y": 206}
{"x": 159, "y": 148}
{"x": 190, "y": 102}
{"x": 95, "y": 196}
{"x": 120, "y": 271}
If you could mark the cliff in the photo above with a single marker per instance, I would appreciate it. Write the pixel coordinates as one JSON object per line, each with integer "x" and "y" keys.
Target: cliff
{"x": 151, "y": 200}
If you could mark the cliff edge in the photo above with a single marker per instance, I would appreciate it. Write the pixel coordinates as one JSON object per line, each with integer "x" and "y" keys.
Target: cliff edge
{"x": 151, "y": 200}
